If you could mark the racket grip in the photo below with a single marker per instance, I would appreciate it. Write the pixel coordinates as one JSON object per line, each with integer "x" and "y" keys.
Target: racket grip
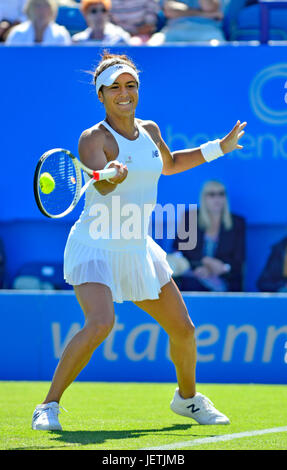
{"x": 104, "y": 174}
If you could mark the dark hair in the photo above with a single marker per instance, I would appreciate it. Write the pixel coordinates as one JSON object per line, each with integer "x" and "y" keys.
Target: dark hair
{"x": 109, "y": 59}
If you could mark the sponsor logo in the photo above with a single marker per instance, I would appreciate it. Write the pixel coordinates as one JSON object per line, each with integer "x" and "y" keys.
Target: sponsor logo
{"x": 263, "y": 109}
{"x": 192, "y": 408}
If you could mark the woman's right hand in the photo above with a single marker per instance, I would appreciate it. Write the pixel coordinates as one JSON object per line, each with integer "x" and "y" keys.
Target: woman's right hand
{"x": 122, "y": 172}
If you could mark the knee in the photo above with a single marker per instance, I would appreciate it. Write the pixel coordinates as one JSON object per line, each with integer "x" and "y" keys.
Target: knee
{"x": 184, "y": 333}
{"x": 189, "y": 332}
{"x": 98, "y": 330}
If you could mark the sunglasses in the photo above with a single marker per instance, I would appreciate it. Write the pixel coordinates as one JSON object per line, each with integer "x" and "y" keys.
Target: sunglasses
{"x": 215, "y": 193}
{"x": 94, "y": 11}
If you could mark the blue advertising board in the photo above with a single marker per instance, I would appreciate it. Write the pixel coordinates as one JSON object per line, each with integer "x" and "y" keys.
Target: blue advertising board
{"x": 240, "y": 339}
{"x": 194, "y": 94}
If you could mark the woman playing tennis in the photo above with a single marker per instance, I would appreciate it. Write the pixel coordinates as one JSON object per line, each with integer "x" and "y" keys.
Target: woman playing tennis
{"x": 115, "y": 267}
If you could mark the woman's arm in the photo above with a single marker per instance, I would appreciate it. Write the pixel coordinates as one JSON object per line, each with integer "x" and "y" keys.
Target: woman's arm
{"x": 92, "y": 154}
{"x": 209, "y": 5}
{"x": 182, "y": 160}
{"x": 177, "y": 9}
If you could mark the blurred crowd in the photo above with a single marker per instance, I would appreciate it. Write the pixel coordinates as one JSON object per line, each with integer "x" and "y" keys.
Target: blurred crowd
{"x": 112, "y": 22}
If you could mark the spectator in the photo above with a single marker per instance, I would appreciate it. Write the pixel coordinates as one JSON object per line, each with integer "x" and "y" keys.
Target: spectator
{"x": 274, "y": 275}
{"x": 216, "y": 263}
{"x": 11, "y": 14}
{"x": 138, "y": 17}
{"x": 40, "y": 27}
{"x": 190, "y": 20}
{"x": 96, "y": 13}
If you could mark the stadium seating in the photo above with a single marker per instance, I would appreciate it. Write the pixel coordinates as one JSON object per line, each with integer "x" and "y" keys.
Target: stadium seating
{"x": 40, "y": 275}
{"x": 71, "y": 18}
{"x": 242, "y": 21}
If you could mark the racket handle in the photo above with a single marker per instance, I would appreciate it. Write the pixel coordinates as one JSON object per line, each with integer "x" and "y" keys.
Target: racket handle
{"x": 104, "y": 174}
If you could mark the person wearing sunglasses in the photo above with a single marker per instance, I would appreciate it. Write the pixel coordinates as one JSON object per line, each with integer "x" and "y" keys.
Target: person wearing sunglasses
{"x": 100, "y": 29}
{"x": 217, "y": 261}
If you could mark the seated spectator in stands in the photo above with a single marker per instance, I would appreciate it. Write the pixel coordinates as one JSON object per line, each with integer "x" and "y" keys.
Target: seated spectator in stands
{"x": 138, "y": 17}
{"x": 190, "y": 21}
{"x": 96, "y": 13}
{"x": 216, "y": 263}
{"x": 274, "y": 275}
{"x": 11, "y": 14}
{"x": 40, "y": 27}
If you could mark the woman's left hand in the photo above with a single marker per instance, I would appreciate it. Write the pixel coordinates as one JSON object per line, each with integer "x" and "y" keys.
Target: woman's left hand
{"x": 216, "y": 266}
{"x": 201, "y": 272}
{"x": 230, "y": 141}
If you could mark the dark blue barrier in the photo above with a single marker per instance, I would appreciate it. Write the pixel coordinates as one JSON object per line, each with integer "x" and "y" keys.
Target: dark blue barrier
{"x": 194, "y": 93}
{"x": 240, "y": 339}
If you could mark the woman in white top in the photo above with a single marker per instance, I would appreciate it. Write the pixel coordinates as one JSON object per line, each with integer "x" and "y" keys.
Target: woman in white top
{"x": 114, "y": 266}
{"x": 40, "y": 27}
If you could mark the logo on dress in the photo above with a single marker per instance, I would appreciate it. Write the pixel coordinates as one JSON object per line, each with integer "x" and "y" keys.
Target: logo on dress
{"x": 155, "y": 153}
{"x": 129, "y": 159}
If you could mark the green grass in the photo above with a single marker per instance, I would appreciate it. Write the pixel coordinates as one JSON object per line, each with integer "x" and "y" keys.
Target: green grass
{"x": 125, "y": 416}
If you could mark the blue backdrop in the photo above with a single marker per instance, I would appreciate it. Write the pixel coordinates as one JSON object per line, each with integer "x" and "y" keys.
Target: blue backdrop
{"x": 194, "y": 93}
{"x": 240, "y": 339}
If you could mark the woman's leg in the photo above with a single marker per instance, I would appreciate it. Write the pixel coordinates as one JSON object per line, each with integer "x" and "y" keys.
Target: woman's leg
{"x": 171, "y": 313}
{"x": 97, "y": 305}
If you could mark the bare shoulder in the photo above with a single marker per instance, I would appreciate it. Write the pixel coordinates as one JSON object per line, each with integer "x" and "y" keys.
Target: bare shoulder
{"x": 152, "y": 128}
{"x": 97, "y": 146}
{"x": 91, "y": 147}
{"x": 147, "y": 124}
{"x": 93, "y": 135}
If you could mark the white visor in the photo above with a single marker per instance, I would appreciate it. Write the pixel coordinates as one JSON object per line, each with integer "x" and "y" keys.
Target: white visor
{"x": 109, "y": 75}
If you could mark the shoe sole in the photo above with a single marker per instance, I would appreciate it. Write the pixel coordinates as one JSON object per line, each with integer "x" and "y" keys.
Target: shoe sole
{"x": 44, "y": 428}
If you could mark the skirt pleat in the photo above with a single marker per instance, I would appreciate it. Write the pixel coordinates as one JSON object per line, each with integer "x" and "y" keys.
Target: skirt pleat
{"x": 130, "y": 274}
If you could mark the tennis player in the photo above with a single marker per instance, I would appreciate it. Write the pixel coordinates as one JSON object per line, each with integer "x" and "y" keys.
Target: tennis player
{"x": 116, "y": 267}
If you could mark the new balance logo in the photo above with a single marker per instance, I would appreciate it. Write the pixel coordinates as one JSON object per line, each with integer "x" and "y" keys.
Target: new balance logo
{"x": 193, "y": 409}
{"x": 155, "y": 153}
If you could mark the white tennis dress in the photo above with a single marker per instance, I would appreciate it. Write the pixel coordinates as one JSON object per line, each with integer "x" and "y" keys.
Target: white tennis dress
{"x": 109, "y": 243}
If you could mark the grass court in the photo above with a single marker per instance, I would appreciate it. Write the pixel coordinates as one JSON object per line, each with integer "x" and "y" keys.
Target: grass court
{"x": 135, "y": 416}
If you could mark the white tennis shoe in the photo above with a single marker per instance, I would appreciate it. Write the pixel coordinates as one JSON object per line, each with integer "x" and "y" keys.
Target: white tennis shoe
{"x": 45, "y": 417}
{"x": 199, "y": 408}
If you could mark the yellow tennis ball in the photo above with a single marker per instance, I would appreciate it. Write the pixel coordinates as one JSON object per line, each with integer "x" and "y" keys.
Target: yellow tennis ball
{"x": 47, "y": 183}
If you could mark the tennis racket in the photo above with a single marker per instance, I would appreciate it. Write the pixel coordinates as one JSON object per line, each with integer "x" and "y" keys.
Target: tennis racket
{"x": 66, "y": 172}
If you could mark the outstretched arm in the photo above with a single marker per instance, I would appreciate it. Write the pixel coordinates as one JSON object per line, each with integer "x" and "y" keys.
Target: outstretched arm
{"x": 182, "y": 160}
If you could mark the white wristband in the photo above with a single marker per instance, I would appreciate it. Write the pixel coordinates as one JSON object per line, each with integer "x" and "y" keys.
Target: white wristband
{"x": 108, "y": 166}
{"x": 211, "y": 150}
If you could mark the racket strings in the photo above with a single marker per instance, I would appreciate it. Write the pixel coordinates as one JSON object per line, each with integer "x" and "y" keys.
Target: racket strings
{"x": 60, "y": 166}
